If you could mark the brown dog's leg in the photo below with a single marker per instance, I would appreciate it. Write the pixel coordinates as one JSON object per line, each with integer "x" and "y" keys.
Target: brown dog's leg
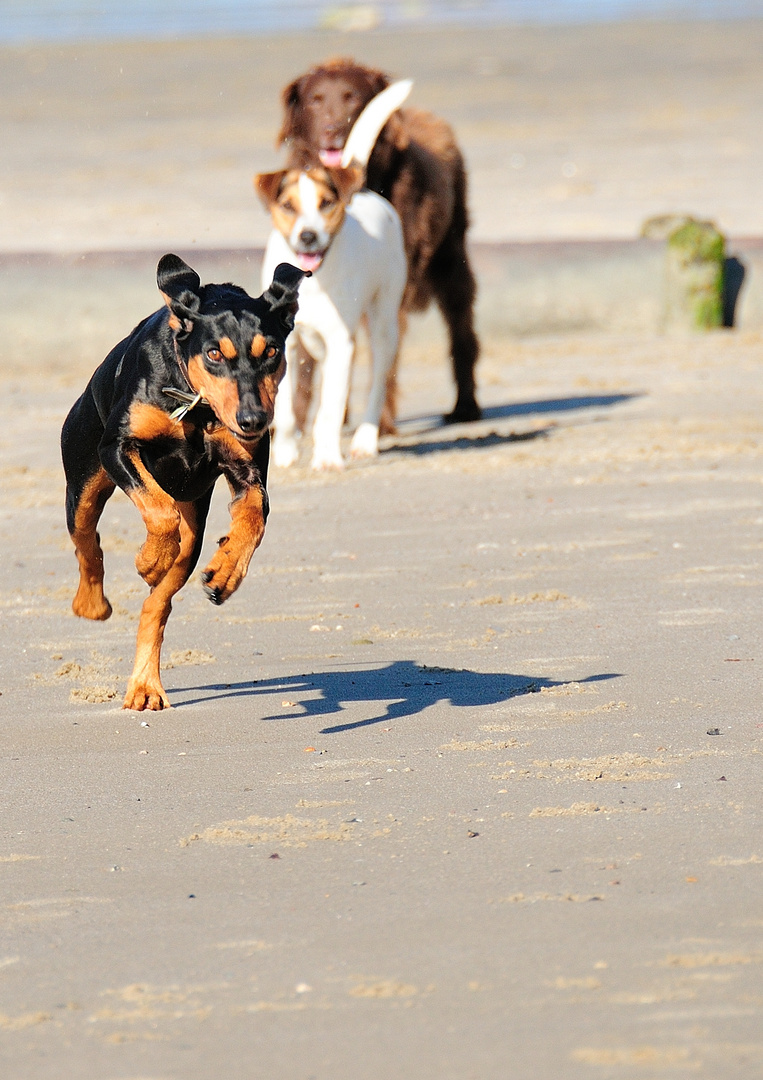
{"x": 228, "y": 566}
{"x": 90, "y": 601}
{"x": 303, "y": 391}
{"x": 388, "y": 421}
{"x": 145, "y": 690}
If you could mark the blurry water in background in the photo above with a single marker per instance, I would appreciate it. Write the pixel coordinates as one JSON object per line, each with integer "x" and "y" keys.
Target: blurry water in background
{"x": 70, "y": 20}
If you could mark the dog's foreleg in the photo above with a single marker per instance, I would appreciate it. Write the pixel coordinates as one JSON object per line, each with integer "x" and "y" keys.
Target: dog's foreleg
{"x": 144, "y": 689}
{"x": 327, "y": 430}
{"x": 228, "y": 566}
{"x": 285, "y": 449}
{"x": 384, "y": 336}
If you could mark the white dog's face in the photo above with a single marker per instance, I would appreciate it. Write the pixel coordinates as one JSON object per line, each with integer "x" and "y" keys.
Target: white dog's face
{"x": 307, "y": 207}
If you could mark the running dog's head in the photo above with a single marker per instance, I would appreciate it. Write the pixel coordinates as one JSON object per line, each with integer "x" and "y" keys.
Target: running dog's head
{"x": 230, "y": 344}
{"x": 308, "y": 207}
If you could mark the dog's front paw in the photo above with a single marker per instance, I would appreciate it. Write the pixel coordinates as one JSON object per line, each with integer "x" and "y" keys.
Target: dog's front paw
{"x": 225, "y": 571}
{"x": 365, "y": 441}
{"x": 145, "y": 694}
{"x": 322, "y": 462}
{"x": 155, "y": 558}
{"x": 285, "y": 452}
{"x": 327, "y": 455}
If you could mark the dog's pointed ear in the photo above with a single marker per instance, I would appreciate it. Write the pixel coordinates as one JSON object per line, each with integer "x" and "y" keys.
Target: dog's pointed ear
{"x": 268, "y": 186}
{"x": 281, "y": 294}
{"x": 348, "y": 180}
{"x": 180, "y": 286}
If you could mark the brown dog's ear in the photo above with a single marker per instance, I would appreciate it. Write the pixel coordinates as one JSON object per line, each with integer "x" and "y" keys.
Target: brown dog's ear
{"x": 291, "y": 99}
{"x": 268, "y": 186}
{"x": 347, "y": 181}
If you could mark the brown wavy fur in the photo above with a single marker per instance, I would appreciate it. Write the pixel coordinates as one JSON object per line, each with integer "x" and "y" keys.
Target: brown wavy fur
{"x": 416, "y": 165}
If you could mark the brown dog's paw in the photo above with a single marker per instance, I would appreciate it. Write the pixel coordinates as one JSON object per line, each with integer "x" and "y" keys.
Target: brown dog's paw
{"x": 155, "y": 558}
{"x": 465, "y": 412}
{"x": 141, "y": 696}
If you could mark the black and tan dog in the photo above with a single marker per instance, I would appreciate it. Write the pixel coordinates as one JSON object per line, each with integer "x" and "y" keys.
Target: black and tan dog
{"x": 220, "y": 353}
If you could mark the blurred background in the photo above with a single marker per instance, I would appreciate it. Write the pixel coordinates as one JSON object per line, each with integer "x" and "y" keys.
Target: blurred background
{"x": 135, "y": 128}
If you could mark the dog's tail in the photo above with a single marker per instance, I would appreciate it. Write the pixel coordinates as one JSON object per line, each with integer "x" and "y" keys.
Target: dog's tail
{"x": 365, "y": 130}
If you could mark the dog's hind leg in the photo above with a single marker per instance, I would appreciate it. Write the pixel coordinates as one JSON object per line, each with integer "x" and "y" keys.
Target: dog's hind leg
{"x": 455, "y": 290}
{"x": 84, "y": 507}
{"x": 144, "y": 689}
{"x": 388, "y": 419}
{"x": 384, "y": 337}
{"x": 88, "y": 488}
{"x": 285, "y": 449}
{"x": 335, "y": 385}
{"x": 303, "y": 388}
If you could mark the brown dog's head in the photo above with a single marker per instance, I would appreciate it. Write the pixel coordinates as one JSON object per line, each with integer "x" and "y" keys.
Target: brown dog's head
{"x": 322, "y": 105}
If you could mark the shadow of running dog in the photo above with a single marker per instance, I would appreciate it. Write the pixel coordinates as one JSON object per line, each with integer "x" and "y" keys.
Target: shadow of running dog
{"x": 392, "y": 691}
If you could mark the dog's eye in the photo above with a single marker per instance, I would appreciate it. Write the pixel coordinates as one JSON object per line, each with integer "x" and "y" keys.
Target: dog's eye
{"x": 214, "y": 355}
{"x": 271, "y": 352}
{"x": 289, "y": 207}
{"x": 326, "y": 204}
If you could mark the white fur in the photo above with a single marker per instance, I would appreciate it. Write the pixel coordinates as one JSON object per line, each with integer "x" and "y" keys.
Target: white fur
{"x": 363, "y": 273}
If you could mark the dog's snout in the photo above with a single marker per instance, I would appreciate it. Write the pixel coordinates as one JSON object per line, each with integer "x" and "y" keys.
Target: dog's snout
{"x": 308, "y": 237}
{"x": 250, "y": 421}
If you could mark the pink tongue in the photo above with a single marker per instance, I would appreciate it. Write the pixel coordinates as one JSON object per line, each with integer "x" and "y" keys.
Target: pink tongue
{"x": 310, "y": 262}
{"x": 332, "y": 159}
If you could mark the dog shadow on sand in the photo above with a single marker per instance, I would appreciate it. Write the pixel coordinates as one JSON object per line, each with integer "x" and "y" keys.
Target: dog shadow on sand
{"x": 418, "y": 434}
{"x": 383, "y": 692}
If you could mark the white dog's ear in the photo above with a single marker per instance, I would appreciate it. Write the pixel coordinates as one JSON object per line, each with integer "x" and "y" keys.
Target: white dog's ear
{"x": 347, "y": 181}
{"x": 268, "y": 186}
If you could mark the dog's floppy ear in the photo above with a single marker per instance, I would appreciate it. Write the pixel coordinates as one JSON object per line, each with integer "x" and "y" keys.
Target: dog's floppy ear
{"x": 268, "y": 185}
{"x": 281, "y": 294}
{"x": 291, "y": 99}
{"x": 348, "y": 180}
{"x": 180, "y": 286}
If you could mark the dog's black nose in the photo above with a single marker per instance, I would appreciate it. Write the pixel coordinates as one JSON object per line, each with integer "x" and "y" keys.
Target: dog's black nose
{"x": 250, "y": 421}
{"x": 308, "y": 237}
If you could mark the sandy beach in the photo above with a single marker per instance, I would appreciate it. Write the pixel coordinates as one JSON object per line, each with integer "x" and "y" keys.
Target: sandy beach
{"x": 463, "y": 783}
{"x": 577, "y": 132}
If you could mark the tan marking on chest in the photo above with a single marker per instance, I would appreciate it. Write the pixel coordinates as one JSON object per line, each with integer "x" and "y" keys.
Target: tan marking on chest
{"x": 150, "y": 422}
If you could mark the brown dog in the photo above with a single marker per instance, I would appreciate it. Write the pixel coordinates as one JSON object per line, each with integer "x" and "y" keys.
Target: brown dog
{"x": 418, "y": 167}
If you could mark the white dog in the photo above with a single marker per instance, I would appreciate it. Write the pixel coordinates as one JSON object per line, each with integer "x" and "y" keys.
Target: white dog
{"x": 352, "y": 241}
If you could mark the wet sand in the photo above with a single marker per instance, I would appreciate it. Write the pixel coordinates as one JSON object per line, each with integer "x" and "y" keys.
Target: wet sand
{"x": 462, "y": 783}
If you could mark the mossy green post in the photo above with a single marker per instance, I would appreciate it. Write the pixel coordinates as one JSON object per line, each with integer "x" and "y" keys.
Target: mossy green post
{"x": 696, "y": 253}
